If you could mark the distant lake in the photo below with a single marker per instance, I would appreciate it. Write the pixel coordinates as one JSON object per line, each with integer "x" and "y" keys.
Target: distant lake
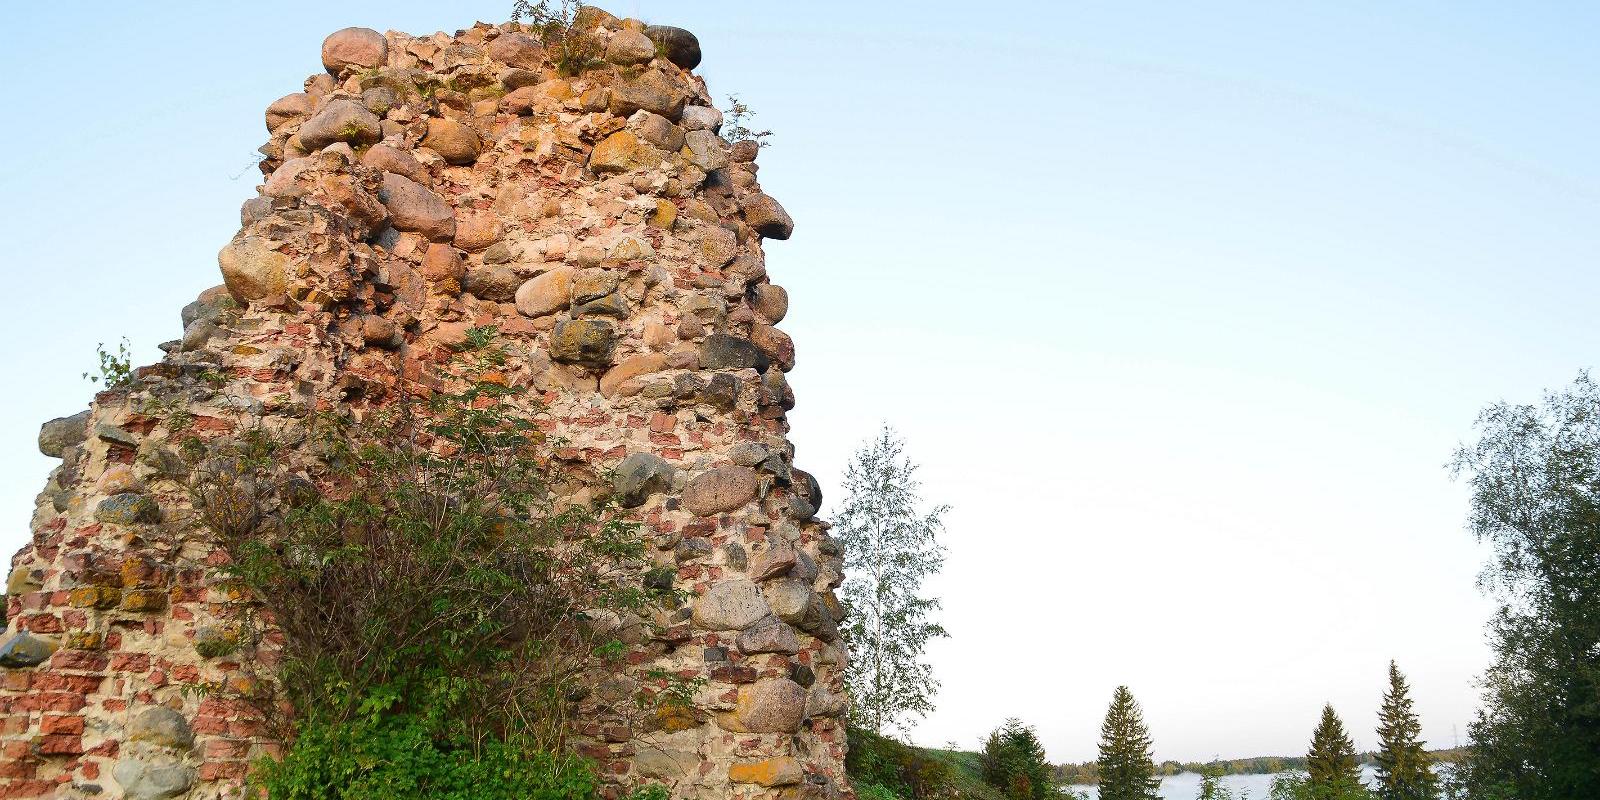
{"x": 1186, "y": 785}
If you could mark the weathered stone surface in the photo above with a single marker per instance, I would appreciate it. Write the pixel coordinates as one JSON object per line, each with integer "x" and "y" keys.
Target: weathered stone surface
{"x": 767, "y": 217}
{"x": 384, "y": 158}
{"x": 458, "y": 144}
{"x": 664, "y": 764}
{"x": 162, "y": 726}
{"x": 651, "y": 91}
{"x": 721, "y": 490}
{"x": 442, "y": 266}
{"x": 775, "y": 344}
{"x": 772, "y": 706}
{"x": 679, "y": 46}
{"x": 517, "y": 50}
{"x": 630, "y": 47}
{"x": 721, "y": 351}
{"x": 341, "y": 120}
{"x": 770, "y": 302}
{"x": 583, "y": 341}
{"x": 476, "y": 230}
{"x": 639, "y": 476}
{"x": 545, "y": 294}
{"x": 152, "y": 779}
{"x": 288, "y": 108}
{"x": 354, "y": 47}
{"x": 657, "y": 130}
{"x": 61, "y": 433}
{"x": 630, "y": 368}
{"x": 731, "y": 605}
{"x": 127, "y": 509}
{"x": 414, "y": 207}
{"x": 706, "y": 150}
{"x": 701, "y": 118}
{"x": 744, "y": 151}
{"x": 777, "y": 558}
{"x": 780, "y": 771}
{"x": 252, "y": 270}
{"x": 623, "y": 151}
{"x": 790, "y": 599}
{"x": 492, "y": 282}
{"x": 23, "y": 650}
{"x": 771, "y": 636}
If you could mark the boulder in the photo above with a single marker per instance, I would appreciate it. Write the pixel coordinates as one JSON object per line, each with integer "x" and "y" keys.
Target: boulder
{"x": 775, "y": 344}
{"x": 582, "y": 341}
{"x": 252, "y": 270}
{"x": 384, "y": 158}
{"x": 776, "y": 705}
{"x": 354, "y": 47}
{"x": 770, "y": 636}
{"x": 630, "y": 368}
{"x": 630, "y": 47}
{"x": 651, "y": 91}
{"x": 679, "y": 46}
{"x": 639, "y": 476}
{"x": 414, "y": 207}
{"x": 26, "y": 650}
{"x": 517, "y": 50}
{"x": 61, "y": 433}
{"x": 456, "y": 143}
{"x": 763, "y": 213}
{"x": 657, "y": 130}
{"x": 162, "y": 726}
{"x": 706, "y": 150}
{"x": 701, "y": 118}
{"x": 545, "y": 294}
{"x": 495, "y": 282}
{"x": 152, "y": 779}
{"x": 127, "y": 509}
{"x": 721, "y": 490}
{"x": 623, "y": 151}
{"x": 288, "y": 108}
{"x": 730, "y": 605}
{"x": 341, "y": 120}
{"x": 780, "y": 771}
{"x": 723, "y": 351}
{"x": 770, "y": 302}
{"x": 476, "y": 230}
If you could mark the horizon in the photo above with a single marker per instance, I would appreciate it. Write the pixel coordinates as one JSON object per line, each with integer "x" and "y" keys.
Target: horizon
{"x": 1182, "y": 312}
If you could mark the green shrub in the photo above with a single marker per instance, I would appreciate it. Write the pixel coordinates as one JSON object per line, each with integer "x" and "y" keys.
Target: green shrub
{"x": 896, "y": 769}
{"x": 432, "y": 607}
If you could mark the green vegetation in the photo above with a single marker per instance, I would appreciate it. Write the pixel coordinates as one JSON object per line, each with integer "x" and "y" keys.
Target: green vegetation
{"x": 1013, "y": 761}
{"x": 1127, "y": 769}
{"x": 734, "y": 129}
{"x": 1405, "y": 771}
{"x": 1534, "y": 475}
{"x": 115, "y": 369}
{"x": 563, "y": 31}
{"x": 891, "y": 546}
{"x": 431, "y": 609}
{"x": 1333, "y": 770}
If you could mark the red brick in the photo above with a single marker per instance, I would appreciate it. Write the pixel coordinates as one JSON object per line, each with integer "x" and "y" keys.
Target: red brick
{"x": 60, "y": 744}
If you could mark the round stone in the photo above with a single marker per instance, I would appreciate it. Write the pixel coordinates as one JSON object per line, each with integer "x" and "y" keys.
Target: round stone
{"x": 770, "y": 302}
{"x": 61, "y": 433}
{"x": 731, "y": 605}
{"x": 517, "y": 50}
{"x": 721, "y": 490}
{"x": 162, "y": 726}
{"x": 400, "y": 162}
{"x": 630, "y": 47}
{"x": 252, "y": 270}
{"x": 458, "y": 144}
{"x": 545, "y": 294}
{"x": 288, "y": 108}
{"x": 679, "y": 46}
{"x": 639, "y": 476}
{"x": 341, "y": 120}
{"x": 772, "y": 706}
{"x": 414, "y": 207}
{"x": 354, "y": 47}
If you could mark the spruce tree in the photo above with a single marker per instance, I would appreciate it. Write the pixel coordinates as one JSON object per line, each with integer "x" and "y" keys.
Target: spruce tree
{"x": 1404, "y": 767}
{"x": 1127, "y": 768}
{"x": 1331, "y": 765}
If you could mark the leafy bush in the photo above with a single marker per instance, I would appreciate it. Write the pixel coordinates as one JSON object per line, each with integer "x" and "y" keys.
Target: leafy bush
{"x": 431, "y": 608}
{"x": 734, "y": 129}
{"x": 115, "y": 368}
{"x": 564, "y": 30}
{"x": 894, "y": 769}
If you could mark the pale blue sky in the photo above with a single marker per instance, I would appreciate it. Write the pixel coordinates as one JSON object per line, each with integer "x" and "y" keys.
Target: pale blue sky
{"x": 1182, "y": 306}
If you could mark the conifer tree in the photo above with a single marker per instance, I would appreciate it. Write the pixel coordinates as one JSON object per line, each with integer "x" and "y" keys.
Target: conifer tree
{"x": 1331, "y": 764}
{"x": 1013, "y": 761}
{"x": 1127, "y": 768}
{"x": 1404, "y": 766}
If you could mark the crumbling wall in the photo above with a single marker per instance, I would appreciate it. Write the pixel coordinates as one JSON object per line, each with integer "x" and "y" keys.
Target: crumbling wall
{"x": 419, "y": 187}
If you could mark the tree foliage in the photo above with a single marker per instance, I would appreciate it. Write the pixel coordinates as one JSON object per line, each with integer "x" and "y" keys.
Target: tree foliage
{"x": 1405, "y": 770}
{"x": 891, "y": 546}
{"x": 1014, "y": 762}
{"x": 1534, "y": 475}
{"x": 1127, "y": 767}
{"x": 1332, "y": 759}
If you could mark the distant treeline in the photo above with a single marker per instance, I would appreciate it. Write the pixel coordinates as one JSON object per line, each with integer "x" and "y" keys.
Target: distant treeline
{"x": 1088, "y": 773}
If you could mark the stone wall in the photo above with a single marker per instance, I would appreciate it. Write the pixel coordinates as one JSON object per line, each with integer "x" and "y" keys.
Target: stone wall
{"x": 416, "y": 188}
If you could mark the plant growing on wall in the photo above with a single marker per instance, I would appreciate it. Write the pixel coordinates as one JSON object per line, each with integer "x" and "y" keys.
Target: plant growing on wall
{"x": 438, "y": 607}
